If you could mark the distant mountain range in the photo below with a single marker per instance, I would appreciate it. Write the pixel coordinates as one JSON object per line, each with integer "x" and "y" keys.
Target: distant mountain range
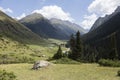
{"x": 53, "y": 28}
{"x": 66, "y": 26}
{"x": 13, "y": 29}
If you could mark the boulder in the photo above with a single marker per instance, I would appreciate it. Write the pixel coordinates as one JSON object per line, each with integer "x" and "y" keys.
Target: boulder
{"x": 41, "y": 64}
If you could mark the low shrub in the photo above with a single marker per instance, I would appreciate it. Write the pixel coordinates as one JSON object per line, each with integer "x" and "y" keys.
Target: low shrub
{"x": 118, "y": 73}
{"x": 65, "y": 61}
{"x": 7, "y": 75}
{"x": 109, "y": 63}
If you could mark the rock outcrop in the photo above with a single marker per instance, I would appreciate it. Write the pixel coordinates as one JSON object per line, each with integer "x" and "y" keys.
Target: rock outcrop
{"x": 41, "y": 64}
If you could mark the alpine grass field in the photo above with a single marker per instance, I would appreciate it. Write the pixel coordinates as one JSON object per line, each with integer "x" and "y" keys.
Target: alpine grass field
{"x": 63, "y": 72}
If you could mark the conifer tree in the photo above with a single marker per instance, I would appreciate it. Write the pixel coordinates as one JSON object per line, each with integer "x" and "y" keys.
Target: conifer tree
{"x": 72, "y": 46}
{"x": 72, "y": 42}
{"x": 78, "y": 46}
{"x": 59, "y": 54}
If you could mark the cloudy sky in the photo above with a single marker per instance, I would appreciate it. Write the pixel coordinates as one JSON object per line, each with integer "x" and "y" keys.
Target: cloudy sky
{"x": 82, "y": 12}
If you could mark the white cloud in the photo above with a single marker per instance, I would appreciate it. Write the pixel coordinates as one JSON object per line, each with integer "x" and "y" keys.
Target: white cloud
{"x": 88, "y": 21}
{"x": 21, "y": 16}
{"x": 99, "y": 8}
{"x": 6, "y": 10}
{"x": 54, "y": 11}
{"x": 103, "y": 7}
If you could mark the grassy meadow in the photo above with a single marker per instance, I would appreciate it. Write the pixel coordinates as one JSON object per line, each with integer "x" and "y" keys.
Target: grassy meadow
{"x": 12, "y": 50}
{"x": 63, "y": 72}
{"x": 8, "y": 46}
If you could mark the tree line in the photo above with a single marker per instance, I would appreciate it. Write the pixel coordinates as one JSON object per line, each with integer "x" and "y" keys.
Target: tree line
{"x": 81, "y": 51}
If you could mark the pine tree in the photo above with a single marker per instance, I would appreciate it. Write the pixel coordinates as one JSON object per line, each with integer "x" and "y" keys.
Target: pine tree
{"x": 59, "y": 54}
{"x": 72, "y": 46}
{"x": 76, "y": 46}
{"x": 72, "y": 42}
{"x": 78, "y": 49}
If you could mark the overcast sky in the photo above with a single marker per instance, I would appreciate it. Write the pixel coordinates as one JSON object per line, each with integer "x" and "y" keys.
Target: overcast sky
{"x": 82, "y": 12}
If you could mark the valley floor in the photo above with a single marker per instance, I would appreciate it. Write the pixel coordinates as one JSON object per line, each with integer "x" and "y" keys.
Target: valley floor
{"x": 63, "y": 72}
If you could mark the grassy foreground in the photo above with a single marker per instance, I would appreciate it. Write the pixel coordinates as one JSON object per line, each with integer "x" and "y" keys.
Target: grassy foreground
{"x": 63, "y": 72}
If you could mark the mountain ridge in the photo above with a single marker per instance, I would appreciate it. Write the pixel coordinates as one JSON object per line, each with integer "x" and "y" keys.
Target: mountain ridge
{"x": 102, "y": 20}
{"x": 53, "y": 28}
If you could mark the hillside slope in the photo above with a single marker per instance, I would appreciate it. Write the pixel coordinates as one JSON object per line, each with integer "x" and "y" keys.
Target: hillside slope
{"x": 13, "y": 29}
{"x": 106, "y": 36}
